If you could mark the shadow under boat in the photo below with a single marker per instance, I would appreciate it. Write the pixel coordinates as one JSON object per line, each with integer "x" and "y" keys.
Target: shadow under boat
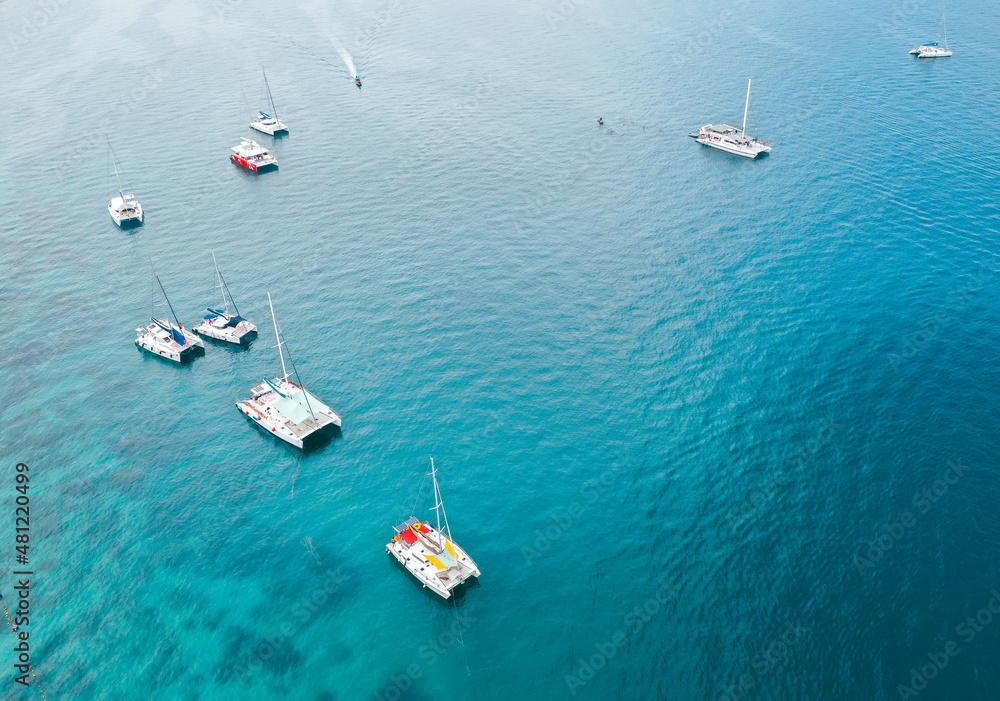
{"x": 130, "y": 224}
{"x": 457, "y": 594}
{"x": 244, "y": 343}
{"x": 312, "y": 443}
{"x": 270, "y": 167}
{"x": 186, "y": 359}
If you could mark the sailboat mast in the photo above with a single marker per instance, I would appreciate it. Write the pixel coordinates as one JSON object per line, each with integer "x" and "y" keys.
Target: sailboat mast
{"x": 274, "y": 110}
{"x": 945, "y": 23}
{"x": 222, "y": 290}
{"x": 439, "y": 503}
{"x": 743, "y": 129}
{"x": 277, "y": 335}
{"x": 437, "y": 497}
{"x": 230, "y": 295}
{"x": 114, "y": 162}
{"x": 167, "y": 300}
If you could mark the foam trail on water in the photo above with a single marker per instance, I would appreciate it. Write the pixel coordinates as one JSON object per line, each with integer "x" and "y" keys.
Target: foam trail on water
{"x": 348, "y": 61}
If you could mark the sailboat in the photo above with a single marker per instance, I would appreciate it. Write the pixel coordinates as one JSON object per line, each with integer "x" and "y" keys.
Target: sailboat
{"x": 269, "y": 123}
{"x": 286, "y": 408}
{"x": 221, "y": 324}
{"x": 731, "y": 138}
{"x": 125, "y": 208}
{"x": 429, "y": 553}
{"x": 250, "y": 154}
{"x": 165, "y": 339}
{"x": 931, "y": 48}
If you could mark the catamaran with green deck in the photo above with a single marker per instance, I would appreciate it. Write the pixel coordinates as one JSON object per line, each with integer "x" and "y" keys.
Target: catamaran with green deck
{"x": 285, "y": 408}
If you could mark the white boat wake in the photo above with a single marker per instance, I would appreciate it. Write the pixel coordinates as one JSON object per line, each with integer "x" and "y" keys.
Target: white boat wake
{"x": 348, "y": 61}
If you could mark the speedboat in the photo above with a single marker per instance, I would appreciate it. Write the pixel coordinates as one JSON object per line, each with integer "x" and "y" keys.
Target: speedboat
{"x": 357, "y": 80}
{"x": 125, "y": 208}
{"x": 285, "y": 408}
{"x": 223, "y": 325}
{"x": 731, "y": 138}
{"x": 251, "y": 155}
{"x": 429, "y": 552}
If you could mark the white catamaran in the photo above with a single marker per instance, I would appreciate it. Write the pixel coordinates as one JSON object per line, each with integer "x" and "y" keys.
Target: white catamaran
{"x": 428, "y": 552}
{"x": 222, "y": 325}
{"x": 286, "y": 408}
{"x": 165, "y": 339}
{"x": 269, "y": 123}
{"x": 731, "y": 138}
{"x": 125, "y": 208}
{"x": 931, "y": 48}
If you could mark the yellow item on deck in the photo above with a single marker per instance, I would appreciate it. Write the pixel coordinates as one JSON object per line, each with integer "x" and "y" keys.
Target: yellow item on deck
{"x": 434, "y": 561}
{"x": 447, "y": 545}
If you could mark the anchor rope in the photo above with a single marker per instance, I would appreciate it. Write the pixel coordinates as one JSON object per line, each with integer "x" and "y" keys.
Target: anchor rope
{"x": 31, "y": 667}
{"x": 308, "y": 542}
{"x": 461, "y": 637}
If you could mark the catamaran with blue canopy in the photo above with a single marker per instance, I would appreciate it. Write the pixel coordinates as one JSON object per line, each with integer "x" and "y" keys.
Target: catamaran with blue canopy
{"x": 223, "y": 324}
{"x": 165, "y": 339}
{"x": 285, "y": 408}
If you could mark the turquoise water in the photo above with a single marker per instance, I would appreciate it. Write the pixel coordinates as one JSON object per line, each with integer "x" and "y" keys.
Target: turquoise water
{"x": 675, "y": 398}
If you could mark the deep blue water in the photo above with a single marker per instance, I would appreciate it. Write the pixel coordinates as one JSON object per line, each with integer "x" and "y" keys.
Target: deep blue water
{"x": 675, "y": 397}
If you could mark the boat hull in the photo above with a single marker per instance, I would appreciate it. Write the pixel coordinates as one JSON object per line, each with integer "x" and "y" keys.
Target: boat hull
{"x": 182, "y": 355}
{"x": 426, "y": 573}
{"x": 736, "y": 150}
{"x": 251, "y": 166}
{"x": 238, "y": 339}
{"x": 125, "y": 220}
{"x": 270, "y": 424}
{"x": 152, "y": 340}
{"x": 270, "y": 130}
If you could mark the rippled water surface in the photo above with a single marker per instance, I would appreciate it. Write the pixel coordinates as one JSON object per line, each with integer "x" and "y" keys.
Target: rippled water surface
{"x": 712, "y": 428}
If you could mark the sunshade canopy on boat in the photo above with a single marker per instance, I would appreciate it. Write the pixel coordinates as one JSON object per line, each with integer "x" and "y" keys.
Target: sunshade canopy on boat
{"x": 405, "y": 525}
{"x": 300, "y": 406}
{"x": 174, "y": 333}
